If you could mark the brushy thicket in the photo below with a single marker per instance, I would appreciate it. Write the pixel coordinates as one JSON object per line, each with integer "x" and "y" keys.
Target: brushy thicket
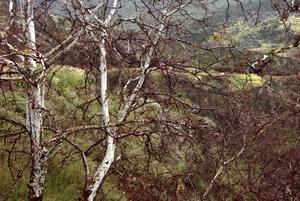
{"x": 158, "y": 166}
{"x": 213, "y": 111}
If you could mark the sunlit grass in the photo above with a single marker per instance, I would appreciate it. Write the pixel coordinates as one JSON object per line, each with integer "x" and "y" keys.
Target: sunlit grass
{"x": 242, "y": 81}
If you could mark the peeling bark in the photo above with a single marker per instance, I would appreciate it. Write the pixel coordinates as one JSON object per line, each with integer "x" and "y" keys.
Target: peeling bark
{"x": 108, "y": 159}
{"x": 103, "y": 168}
{"x": 39, "y": 153}
{"x": 36, "y": 183}
{"x": 34, "y": 107}
{"x": 90, "y": 193}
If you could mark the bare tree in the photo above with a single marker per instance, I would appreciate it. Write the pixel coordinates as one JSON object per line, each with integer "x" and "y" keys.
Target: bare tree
{"x": 30, "y": 65}
{"x": 170, "y": 100}
{"x": 154, "y": 34}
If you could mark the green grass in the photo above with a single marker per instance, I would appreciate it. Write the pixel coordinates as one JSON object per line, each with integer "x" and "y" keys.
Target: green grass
{"x": 65, "y": 184}
{"x": 68, "y": 77}
{"x": 244, "y": 81}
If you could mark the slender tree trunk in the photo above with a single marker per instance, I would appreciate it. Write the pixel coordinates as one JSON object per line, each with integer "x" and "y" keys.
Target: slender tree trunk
{"x": 90, "y": 193}
{"x": 34, "y": 107}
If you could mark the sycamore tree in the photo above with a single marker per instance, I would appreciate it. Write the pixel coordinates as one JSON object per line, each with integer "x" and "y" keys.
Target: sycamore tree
{"x": 23, "y": 59}
{"x": 194, "y": 127}
{"x": 102, "y": 29}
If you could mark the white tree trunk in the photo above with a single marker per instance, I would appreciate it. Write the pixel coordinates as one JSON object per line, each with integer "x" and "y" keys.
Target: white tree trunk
{"x": 111, "y": 146}
{"x": 103, "y": 168}
{"x": 39, "y": 154}
{"x": 108, "y": 159}
{"x": 34, "y": 108}
{"x": 90, "y": 193}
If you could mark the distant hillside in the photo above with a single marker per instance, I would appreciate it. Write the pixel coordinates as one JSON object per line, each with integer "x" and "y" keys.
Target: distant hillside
{"x": 252, "y": 23}
{"x": 219, "y": 7}
{"x": 269, "y": 32}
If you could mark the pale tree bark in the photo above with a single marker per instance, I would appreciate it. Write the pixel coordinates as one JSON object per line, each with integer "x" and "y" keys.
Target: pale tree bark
{"x": 111, "y": 131}
{"x": 108, "y": 159}
{"x": 90, "y": 193}
{"x": 34, "y": 77}
{"x": 34, "y": 106}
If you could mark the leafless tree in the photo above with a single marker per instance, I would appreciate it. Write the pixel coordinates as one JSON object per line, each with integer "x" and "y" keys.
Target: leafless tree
{"x": 169, "y": 72}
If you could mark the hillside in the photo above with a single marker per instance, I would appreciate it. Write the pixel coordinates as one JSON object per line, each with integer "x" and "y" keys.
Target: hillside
{"x": 169, "y": 169}
{"x": 181, "y": 102}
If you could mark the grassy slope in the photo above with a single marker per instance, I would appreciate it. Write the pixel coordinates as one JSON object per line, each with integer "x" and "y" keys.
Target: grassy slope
{"x": 66, "y": 96}
{"x": 64, "y": 184}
